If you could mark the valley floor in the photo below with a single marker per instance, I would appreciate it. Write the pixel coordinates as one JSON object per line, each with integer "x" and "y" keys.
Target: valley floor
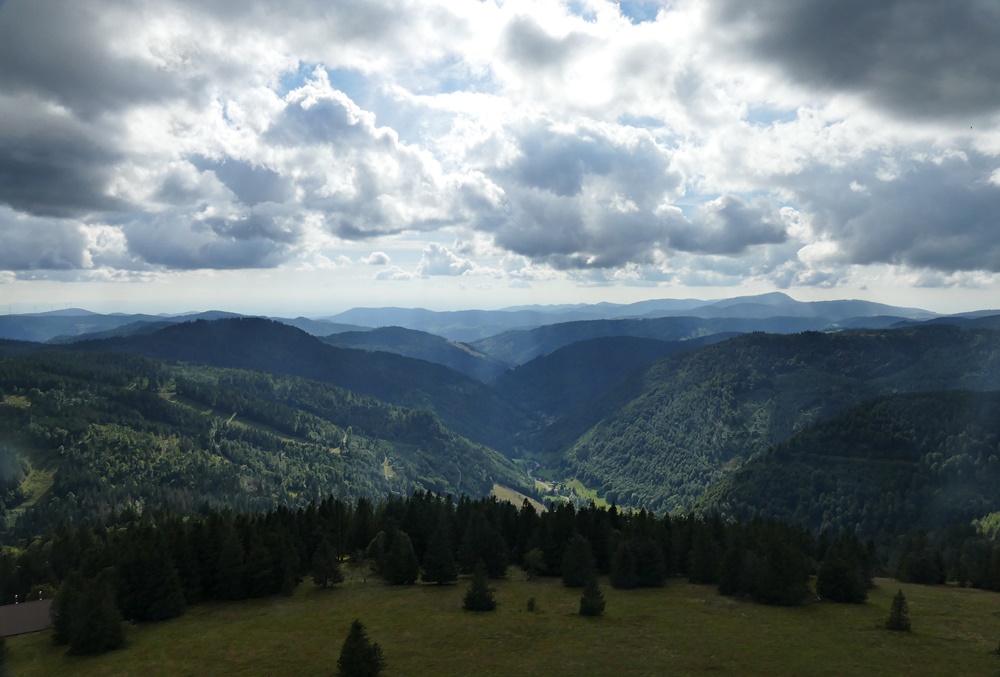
{"x": 680, "y": 629}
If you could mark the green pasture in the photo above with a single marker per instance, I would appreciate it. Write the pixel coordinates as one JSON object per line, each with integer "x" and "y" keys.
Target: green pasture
{"x": 681, "y": 629}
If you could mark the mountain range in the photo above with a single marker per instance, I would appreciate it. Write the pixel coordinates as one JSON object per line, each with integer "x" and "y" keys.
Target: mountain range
{"x": 748, "y": 406}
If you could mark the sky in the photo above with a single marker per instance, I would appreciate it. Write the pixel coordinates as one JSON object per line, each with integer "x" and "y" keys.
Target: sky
{"x": 303, "y": 157}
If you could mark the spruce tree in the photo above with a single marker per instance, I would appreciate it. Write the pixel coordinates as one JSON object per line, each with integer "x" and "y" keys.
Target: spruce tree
{"x": 479, "y": 596}
{"x": 439, "y": 562}
{"x": 96, "y": 625}
{"x": 623, "y": 570}
{"x": 592, "y": 600}
{"x": 149, "y": 588}
{"x": 64, "y": 606}
{"x": 841, "y": 576}
{"x": 481, "y": 541}
{"x": 401, "y": 565}
{"x": 325, "y": 568}
{"x": 359, "y": 656}
{"x": 899, "y": 614}
{"x": 578, "y": 562}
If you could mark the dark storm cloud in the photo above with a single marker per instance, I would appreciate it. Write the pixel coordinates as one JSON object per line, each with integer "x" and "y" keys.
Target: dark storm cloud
{"x": 727, "y": 226}
{"x": 941, "y": 213}
{"x": 917, "y": 58}
{"x": 32, "y": 243}
{"x": 60, "y": 50}
{"x": 50, "y": 164}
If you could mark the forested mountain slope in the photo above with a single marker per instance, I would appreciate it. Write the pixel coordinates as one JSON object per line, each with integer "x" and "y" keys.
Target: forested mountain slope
{"x": 106, "y": 431}
{"x": 886, "y": 467}
{"x": 699, "y": 415}
{"x": 423, "y": 346}
{"x": 563, "y": 380}
{"x": 518, "y": 347}
{"x": 465, "y": 405}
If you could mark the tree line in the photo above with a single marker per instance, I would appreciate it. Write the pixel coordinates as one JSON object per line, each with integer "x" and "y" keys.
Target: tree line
{"x": 149, "y": 567}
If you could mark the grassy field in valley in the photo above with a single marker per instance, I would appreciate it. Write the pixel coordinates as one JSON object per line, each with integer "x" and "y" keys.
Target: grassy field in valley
{"x": 681, "y": 629}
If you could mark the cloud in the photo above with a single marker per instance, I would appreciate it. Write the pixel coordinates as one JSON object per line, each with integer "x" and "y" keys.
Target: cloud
{"x": 394, "y": 273}
{"x": 74, "y": 53}
{"x": 631, "y": 143}
{"x": 935, "y": 212}
{"x": 52, "y": 164}
{"x": 586, "y": 196}
{"x": 727, "y": 225}
{"x": 33, "y": 243}
{"x": 439, "y": 260}
{"x": 917, "y": 58}
{"x": 189, "y": 241}
{"x": 377, "y": 259}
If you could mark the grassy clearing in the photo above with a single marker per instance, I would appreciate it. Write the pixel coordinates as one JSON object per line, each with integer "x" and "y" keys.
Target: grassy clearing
{"x": 515, "y": 497}
{"x": 36, "y": 484}
{"x": 19, "y": 401}
{"x": 583, "y": 491}
{"x": 681, "y": 629}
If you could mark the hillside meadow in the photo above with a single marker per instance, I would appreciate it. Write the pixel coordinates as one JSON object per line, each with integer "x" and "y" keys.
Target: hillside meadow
{"x": 679, "y": 629}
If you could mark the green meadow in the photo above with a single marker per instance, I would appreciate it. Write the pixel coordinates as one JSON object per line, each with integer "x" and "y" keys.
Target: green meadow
{"x": 680, "y": 629}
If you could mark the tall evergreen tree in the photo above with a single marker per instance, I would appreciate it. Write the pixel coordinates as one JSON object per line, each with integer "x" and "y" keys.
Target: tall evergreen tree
{"x": 479, "y": 596}
{"x": 592, "y": 600}
{"x": 149, "y": 588}
{"x": 899, "y": 614}
{"x": 325, "y": 566}
{"x": 360, "y": 656}
{"x": 623, "y": 569}
{"x": 732, "y": 569}
{"x": 96, "y": 625}
{"x": 841, "y": 576}
{"x": 401, "y": 565}
{"x": 578, "y": 564}
{"x": 439, "y": 562}
{"x": 64, "y": 606}
{"x": 481, "y": 541}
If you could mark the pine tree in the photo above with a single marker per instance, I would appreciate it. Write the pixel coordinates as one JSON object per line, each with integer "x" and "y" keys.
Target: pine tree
{"x": 439, "y": 562}
{"x": 592, "y": 600}
{"x": 325, "y": 566}
{"x": 899, "y": 614}
{"x": 479, "y": 597}
{"x": 96, "y": 625}
{"x": 64, "y": 606}
{"x": 623, "y": 573}
{"x": 359, "y": 656}
{"x": 481, "y": 541}
{"x": 401, "y": 565}
{"x": 578, "y": 562}
{"x": 841, "y": 576}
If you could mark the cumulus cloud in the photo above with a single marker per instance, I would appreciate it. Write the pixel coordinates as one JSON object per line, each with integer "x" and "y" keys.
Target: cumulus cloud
{"x": 34, "y": 243}
{"x": 377, "y": 259}
{"x": 439, "y": 260}
{"x": 727, "y": 225}
{"x": 641, "y": 142}
{"x": 935, "y": 212}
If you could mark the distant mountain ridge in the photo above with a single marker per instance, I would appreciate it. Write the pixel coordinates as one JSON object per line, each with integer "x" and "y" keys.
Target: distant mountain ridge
{"x": 465, "y": 405}
{"x": 473, "y": 325}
